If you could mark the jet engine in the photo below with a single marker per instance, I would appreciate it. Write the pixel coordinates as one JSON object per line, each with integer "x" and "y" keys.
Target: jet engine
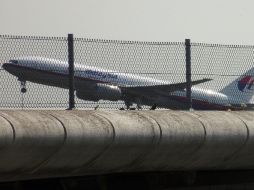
{"x": 100, "y": 92}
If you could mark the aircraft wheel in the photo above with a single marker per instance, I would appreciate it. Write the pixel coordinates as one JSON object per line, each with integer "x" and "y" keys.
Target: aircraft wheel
{"x": 23, "y": 90}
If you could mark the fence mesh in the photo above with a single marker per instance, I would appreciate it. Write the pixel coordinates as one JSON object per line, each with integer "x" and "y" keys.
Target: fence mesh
{"x": 37, "y": 96}
{"x": 163, "y": 61}
{"x": 227, "y": 66}
{"x": 159, "y": 61}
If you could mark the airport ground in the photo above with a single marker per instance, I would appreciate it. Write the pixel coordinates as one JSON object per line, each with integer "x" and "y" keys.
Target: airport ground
{"x": 216, "y": 180}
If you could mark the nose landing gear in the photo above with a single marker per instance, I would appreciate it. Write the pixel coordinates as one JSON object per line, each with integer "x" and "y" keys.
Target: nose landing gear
{"x": 23, "y": 90}
{"x": 23, "y": 86}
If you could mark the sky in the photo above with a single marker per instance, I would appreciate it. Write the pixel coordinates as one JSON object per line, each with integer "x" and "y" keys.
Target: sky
{"x": 209, "y": 21}
{"x": 204, "y": 21}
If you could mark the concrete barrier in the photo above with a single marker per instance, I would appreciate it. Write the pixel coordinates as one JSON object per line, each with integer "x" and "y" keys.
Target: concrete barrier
{"x": 39, "y": 144}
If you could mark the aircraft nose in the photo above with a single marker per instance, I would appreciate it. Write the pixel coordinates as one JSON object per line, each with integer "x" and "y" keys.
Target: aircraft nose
{"x": 5, "y": 66}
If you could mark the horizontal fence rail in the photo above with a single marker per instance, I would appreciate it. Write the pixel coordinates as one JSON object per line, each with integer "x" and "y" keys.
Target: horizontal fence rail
{"x": 228, "y": 68}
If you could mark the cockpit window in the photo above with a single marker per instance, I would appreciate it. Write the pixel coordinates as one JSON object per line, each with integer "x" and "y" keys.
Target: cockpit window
{"x": 14, "y": 61}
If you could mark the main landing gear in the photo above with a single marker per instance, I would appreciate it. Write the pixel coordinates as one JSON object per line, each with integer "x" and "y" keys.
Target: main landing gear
{"x": 153, "y": 107}
{"x": 129, "y": 102}
{"x": 128, "y": 105}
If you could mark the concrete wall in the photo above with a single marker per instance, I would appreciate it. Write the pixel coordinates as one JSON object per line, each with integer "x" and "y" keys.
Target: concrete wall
{"x": 38, "y": 144}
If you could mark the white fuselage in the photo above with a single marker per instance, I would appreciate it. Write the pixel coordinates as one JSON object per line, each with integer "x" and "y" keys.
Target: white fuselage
{"x": 55, "y": 73}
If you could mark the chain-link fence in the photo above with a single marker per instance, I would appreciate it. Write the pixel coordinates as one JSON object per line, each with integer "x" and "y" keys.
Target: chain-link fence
{"x": 231, "y": 69}
{"x": 105, "y": 71}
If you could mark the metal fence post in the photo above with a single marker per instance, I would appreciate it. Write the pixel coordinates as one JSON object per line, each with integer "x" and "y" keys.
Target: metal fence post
{"x": 188, "y": 72}
{"x": 71, "y": 71}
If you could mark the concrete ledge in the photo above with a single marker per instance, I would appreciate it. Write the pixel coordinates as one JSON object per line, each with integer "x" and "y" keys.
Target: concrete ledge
{"x": 38, "y": 144}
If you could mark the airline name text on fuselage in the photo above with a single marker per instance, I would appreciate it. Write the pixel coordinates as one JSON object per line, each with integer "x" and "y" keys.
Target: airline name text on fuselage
{"x": 100, "y": 74}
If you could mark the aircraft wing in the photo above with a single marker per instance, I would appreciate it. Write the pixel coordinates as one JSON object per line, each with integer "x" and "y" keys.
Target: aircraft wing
{"x": 161, "y": 89}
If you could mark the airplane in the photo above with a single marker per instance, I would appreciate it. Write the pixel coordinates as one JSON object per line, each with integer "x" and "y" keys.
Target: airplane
{"x": 94, "y": 84}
